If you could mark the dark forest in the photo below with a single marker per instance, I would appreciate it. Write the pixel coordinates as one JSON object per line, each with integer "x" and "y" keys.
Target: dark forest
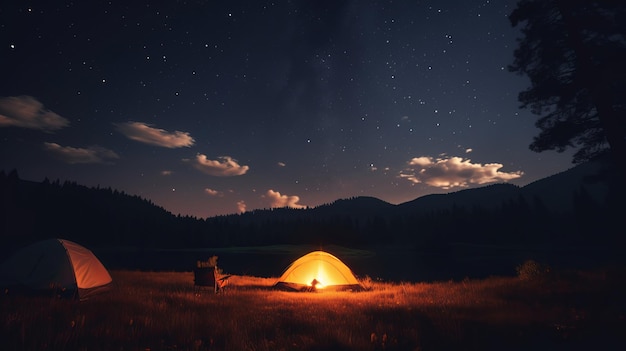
{"x": 579, "y": 211}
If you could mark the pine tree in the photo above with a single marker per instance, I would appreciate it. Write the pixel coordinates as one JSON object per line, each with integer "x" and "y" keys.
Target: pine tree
{"x": 573, "y": 52}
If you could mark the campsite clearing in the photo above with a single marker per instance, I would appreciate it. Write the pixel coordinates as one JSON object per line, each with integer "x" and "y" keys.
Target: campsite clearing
{"x": 159, "y": 311}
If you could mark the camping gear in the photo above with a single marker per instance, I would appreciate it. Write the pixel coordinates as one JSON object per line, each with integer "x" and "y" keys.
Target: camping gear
{"x": 206, "y": 274}
{"x": 318, "y": 270}
{"x": 56, "y": 266}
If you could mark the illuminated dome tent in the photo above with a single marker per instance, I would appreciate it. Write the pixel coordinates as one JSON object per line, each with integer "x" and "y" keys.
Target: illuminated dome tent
{"x": 318, "y": 270}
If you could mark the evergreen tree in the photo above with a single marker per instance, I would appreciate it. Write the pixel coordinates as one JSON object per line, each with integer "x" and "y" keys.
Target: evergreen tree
{"x": 573, "y": 52}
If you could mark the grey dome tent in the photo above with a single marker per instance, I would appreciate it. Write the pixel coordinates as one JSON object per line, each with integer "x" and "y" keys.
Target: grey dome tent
{"x": 57, "y": 266}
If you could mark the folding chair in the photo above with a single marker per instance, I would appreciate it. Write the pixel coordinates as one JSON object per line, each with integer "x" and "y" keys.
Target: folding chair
{"x": 221, "y": 281}
{"x": 206, "y": 274}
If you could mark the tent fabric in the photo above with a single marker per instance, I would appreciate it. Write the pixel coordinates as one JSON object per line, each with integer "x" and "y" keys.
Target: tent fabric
{"x": 88, "y": 270}
{"x": 318, "y": 268}
{"x": 59, "y": 265}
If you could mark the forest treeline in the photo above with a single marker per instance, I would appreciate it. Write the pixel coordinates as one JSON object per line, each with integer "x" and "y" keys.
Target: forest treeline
{"x": 104, "y": 217}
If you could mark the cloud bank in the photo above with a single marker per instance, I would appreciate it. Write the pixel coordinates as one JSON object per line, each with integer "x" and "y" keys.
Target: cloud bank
{"x": 454, "y": 172}
{"x": 278, "y": 201}
{"x": 72, "y": 155}
{"x": 146, "y": 134}
{"x": 27, "y": 112}
{"x": 224, "y": 166}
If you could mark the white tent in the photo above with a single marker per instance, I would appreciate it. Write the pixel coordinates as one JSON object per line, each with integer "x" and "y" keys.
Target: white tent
{"x": 318, "y": 270}
{"x": 56, "y": 265}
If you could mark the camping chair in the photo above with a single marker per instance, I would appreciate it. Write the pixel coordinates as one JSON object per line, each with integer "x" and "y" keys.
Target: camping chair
{"x": 206, "y": 274}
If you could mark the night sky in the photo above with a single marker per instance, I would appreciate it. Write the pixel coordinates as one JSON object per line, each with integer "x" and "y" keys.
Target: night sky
{"x": 217, "y": 107}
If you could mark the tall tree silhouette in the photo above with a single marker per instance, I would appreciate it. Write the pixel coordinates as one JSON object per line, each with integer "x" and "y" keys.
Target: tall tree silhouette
{"x": 574, "y": 53}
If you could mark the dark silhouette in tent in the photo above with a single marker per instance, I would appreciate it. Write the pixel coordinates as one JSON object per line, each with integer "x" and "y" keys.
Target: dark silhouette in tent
{"x": 55, "y": 266}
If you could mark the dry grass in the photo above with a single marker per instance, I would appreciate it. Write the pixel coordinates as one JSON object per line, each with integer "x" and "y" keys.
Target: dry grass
{"x": 161, "y": 311}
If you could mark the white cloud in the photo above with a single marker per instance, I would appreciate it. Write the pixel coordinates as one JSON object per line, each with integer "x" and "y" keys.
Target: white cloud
{"x": 213, "y": 192}
{"x": 27, "y": 112}
{"x": 278, "y": 201}
{"x": 72, "y": 155}
{"x": 468, "y": 150}
{"x": 241, "y": 206}
{"x": 453, "y": 172}
{"x": 224, "y": 166}
{"x": 144, "y": 133}
{"x": 281, "y": 164}
{"x": 166, "y": 173}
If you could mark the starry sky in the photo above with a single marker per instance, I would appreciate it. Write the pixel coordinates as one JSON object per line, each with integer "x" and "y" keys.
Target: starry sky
{"x": 219, "y": 107}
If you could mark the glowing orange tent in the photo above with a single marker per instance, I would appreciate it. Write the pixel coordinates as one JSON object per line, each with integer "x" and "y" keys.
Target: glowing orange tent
{"x": 318, "y": 270}
{"x": 60, "y": 266}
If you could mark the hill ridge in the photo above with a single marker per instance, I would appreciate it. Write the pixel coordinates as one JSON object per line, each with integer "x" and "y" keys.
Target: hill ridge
{"x": 106, "y": 217}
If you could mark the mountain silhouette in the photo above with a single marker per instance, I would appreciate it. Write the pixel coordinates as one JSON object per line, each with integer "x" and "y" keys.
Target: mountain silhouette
{"x": 570, "y": 207}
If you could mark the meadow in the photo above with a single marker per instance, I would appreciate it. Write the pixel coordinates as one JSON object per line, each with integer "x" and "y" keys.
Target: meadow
{"x": 536, "y": 310}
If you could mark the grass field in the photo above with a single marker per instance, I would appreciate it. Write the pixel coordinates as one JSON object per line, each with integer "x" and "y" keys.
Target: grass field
{"x": 161, "y": 311}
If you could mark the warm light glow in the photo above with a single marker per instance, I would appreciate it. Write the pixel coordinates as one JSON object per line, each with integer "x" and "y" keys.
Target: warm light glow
{"x": 319, "y": 270}
{"x": 316, "y": 284}
{"x": 318, "y": 276}
{"x": 322, "y": 276}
